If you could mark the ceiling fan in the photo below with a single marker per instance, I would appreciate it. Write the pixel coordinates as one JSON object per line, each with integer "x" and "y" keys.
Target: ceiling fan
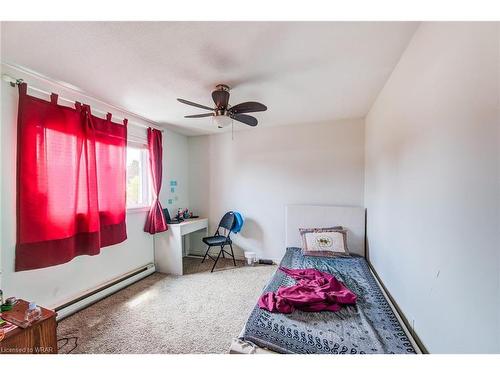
{"x": 223, "y": 113}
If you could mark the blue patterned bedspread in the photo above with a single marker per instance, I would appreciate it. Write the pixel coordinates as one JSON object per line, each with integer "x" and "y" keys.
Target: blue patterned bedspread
{"x": 370, "y": 326}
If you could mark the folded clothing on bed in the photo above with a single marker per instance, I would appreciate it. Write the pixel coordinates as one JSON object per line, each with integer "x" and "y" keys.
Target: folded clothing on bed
{"x": 314, "y": 291}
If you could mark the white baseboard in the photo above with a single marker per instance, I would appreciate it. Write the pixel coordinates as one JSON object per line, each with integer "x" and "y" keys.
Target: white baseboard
{"x": 92, "y": 296}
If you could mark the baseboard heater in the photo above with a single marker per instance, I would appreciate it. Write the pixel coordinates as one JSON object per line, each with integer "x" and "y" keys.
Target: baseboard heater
{"x": 92, "y": 296}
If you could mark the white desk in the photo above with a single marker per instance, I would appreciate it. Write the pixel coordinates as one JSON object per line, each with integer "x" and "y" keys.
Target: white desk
{"x": 169, "y": 245}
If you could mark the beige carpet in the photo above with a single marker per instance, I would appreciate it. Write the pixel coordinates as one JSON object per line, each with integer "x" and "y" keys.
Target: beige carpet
{"x": 199, "y": 312}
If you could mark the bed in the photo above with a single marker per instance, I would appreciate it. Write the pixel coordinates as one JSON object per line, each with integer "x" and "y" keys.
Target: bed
{"x": 372, "y": 326}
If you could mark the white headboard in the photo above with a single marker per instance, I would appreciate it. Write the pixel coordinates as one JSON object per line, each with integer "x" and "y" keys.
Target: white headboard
{"x": 351, "y": 218}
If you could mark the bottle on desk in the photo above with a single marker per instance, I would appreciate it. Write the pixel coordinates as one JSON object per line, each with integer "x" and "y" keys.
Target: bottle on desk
{"x": 33, "y": 313}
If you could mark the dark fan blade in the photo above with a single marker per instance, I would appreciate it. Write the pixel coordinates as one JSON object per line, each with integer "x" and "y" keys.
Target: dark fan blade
{"x": 248, "y": 107}
{"x": 202, "y": 115}
{"x": 249, "y": 120}
{"x": 194, "y": 104}
{"x": 221, "y": 98}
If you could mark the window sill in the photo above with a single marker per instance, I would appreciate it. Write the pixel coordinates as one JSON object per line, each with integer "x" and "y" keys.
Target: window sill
{"x": 138, "y": 209}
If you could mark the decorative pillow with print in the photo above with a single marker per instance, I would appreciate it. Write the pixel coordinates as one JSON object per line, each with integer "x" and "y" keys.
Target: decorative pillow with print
{"x": 324, "y": 242}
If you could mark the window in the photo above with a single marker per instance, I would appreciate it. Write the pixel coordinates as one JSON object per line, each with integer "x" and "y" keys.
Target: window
{"x": 138, "y": 184}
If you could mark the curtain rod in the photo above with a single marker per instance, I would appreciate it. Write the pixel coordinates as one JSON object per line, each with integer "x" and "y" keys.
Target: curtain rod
{"x": 15, "y": 82}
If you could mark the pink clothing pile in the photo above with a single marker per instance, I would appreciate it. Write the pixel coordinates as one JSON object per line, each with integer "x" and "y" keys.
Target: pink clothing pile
{"x": 314, "y": 291}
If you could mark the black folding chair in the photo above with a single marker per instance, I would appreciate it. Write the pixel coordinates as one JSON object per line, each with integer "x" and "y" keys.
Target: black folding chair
{"x": 218, "y": 239}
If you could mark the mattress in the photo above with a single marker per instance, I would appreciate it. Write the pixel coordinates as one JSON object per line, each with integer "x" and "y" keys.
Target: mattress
{"x": 369, "y": 327}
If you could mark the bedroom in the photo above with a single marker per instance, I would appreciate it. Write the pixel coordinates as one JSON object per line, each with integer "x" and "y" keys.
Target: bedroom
{"x": 365, "y": 150}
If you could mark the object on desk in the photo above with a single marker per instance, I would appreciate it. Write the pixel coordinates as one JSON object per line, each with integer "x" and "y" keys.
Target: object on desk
{"x": 17, "y": 322}
{"x": 179, "y": 215}
{"x": 168, "y": 218}
{"x": 182, "y": 213}
{"x": 11, "y": 301}
{"x": 33, "y": 313}
{"x": 6, "y": 326}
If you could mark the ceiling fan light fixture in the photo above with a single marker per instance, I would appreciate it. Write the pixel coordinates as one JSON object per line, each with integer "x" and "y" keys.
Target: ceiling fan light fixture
{"x": 222, "y": 121}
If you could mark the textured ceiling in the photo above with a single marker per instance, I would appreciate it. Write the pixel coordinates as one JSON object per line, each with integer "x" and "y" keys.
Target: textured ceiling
{"x": 305, "y": 72}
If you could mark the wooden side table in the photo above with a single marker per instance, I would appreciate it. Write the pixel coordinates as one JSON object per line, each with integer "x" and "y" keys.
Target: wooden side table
{"x": 39, "y": 338}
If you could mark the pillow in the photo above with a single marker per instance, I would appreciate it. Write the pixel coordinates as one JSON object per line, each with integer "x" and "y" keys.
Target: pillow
{"x": 324, "y": 242}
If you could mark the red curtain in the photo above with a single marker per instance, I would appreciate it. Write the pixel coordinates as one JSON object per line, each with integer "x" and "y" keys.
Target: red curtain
{"x": 70, "y": 182}
{"x": 155, "y": 221}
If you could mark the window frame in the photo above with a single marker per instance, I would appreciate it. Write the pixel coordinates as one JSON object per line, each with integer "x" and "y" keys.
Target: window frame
{"x": 145, "y": 179}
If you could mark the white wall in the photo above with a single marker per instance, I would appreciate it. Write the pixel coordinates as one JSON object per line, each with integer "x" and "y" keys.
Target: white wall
{"x": 50, "y": 286}
{"x": 175, "y": 167}
{"x": 498, "y": 175}
{"x": 264, "y": 169}
{"x": 432, "y": 186}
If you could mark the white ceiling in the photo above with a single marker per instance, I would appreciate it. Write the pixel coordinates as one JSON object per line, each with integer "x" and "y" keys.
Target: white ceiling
{"x": 305, "y": 72}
